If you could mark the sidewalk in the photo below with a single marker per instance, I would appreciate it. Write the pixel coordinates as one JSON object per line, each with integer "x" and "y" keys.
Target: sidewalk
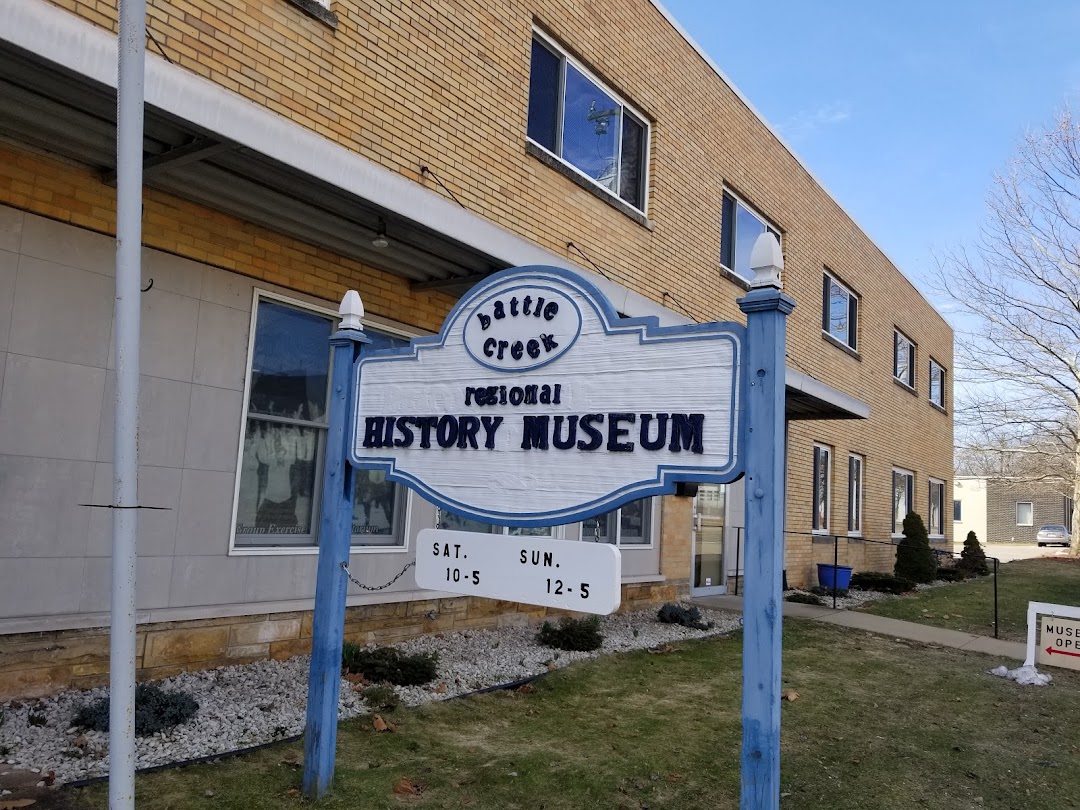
{"x": 1009, "y": 650}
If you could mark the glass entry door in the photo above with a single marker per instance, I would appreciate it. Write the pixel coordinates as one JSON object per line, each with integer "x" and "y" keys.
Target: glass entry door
{"x": 708, "y": 541}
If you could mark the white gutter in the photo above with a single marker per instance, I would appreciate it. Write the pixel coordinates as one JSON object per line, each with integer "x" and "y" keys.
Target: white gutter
{"x": 798, "y": 381}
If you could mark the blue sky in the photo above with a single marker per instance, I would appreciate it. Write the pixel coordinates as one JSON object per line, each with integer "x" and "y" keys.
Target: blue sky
{"x": 904, "y": 111}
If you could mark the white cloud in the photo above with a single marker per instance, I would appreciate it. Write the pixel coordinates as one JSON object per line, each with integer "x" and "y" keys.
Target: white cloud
{"x": 807, "y": 122}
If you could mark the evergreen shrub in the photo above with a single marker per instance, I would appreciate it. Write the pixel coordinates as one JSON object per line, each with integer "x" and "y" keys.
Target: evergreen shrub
{"x": 952, "y": 574}
{"x": 804, "y": 598}
{"x": 155, "y": 710}
{"x": 821, "y": 590}
{"x": 578, "y": 635}
{"x": 973, "y": 558}
{"x": 672, "y": 613}
{"x": 915, "y": 560}
{"x": 882, "y": 583}
{"x": 389, "y": 665}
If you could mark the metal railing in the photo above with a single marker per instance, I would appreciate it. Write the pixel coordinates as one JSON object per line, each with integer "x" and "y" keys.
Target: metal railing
{"x": 834, "y": 540}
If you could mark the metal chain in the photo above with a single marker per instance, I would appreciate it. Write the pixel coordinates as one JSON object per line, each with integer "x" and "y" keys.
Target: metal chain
{"x": 359, "y": 584}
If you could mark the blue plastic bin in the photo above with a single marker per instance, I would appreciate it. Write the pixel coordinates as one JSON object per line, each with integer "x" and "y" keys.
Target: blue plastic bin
{"x": 825, "y": 573}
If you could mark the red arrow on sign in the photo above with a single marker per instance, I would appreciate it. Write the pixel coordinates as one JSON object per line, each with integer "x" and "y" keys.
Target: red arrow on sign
{"x": 1052, "y": 651}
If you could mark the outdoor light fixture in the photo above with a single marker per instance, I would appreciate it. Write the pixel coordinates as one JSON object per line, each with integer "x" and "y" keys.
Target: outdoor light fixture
{"x": 380, "y": 241}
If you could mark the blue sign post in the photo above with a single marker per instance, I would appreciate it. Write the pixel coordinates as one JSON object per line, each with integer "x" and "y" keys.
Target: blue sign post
{"x": 335, "y": 541}
{"x": 535, "y": 375}
{"x": 766, "y": 311}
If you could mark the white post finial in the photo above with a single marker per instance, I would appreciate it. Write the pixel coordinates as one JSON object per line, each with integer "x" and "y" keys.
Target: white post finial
{"x": 766, "y": 261}
{"x": 351, "y": 311}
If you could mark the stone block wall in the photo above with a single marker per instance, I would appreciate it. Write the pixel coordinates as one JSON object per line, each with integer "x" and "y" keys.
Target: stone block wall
{"x": 40, "y": 664}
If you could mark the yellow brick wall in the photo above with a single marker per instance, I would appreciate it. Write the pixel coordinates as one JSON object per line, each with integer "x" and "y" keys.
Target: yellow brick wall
{"x": 446, "y": 83}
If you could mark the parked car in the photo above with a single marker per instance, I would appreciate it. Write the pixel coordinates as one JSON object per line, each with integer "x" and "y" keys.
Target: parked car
{"x": 1053, "y": 536}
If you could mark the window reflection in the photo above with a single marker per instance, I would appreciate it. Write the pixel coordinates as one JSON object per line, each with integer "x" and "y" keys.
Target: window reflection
{"x": 290, "y": 365}
{"x": 285, "y": 438}
{"x": 591, "y": 130}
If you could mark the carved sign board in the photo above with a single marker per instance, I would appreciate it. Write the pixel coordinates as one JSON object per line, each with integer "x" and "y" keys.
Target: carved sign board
{"x": 562, "y": 574}
{"x": 1059, "y": 642}
{"x": 536, "y": 404}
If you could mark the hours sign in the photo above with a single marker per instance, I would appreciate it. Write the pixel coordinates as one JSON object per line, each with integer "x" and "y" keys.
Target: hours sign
{"x": 538, "y": 404}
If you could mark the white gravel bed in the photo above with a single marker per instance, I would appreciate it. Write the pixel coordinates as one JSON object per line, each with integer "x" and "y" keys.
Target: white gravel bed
{"x": 256, "y": 703}
{"x": 856, "y": 598}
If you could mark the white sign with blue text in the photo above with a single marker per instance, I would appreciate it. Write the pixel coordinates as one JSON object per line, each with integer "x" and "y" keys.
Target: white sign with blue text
{"x": 563, "y": 574}
{"x": 537, "y": 404}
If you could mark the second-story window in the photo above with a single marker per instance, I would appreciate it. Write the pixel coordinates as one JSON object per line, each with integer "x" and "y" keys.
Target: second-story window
{"x": 903, "y": 359}
{"x": 740, "y": 227}
{"x": 839, "y": 312}
{"x": 577, "y": 119}
{"x": 937, "y": 384}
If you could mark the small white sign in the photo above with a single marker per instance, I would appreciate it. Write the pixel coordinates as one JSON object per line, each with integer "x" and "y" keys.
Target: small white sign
{"x": 537, "y": 404}
{"x": 1059, "y": 642}
{"x": 565, "y": 574}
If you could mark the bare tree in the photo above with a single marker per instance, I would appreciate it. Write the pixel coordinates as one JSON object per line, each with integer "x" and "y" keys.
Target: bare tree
{"x": 1018, "y": 337}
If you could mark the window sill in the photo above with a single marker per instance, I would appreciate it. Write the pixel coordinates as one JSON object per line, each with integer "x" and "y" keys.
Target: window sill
{"x": 905, "y": 386}
{"x": 840, "y": 345}
{"x": 297, "y": 551}
{"x": 643, "y": 578}
{"x": 553, "y": 162}
{"x": 734, "y": 278}
{"x": 937, "y": 407}
{"x": 316, "y": 10}
{"x": 896, "y": 538}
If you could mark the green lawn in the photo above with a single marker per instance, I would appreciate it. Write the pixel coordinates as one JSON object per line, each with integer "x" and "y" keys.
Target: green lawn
{"x": 878, "y": 724}
{"x": 969, "y": 606}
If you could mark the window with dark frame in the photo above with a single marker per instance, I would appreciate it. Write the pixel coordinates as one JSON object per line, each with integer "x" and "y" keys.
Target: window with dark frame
{"x": 957, "y": 510}
{"x": 629, "y": 525}
{"x": 285, "y": 438}
{"x": 855, "y": 494}
{"x": 903, "y": 494}
{"x": 626, "y": 526}
{"x": 1068, "y": 521}
{"x": 578, "y": 120}
{"x": 839, "y": 312}
{"x": 740, "y": 226}
{"x": 936, "y": 508}
{"x": 937, "y": 384}
{"x": 903, "y": 359}
{"x": 822, "y": 475}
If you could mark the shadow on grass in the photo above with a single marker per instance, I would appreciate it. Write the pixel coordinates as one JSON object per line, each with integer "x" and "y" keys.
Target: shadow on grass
{"x": 877, "y": 724}
{"x": 969, "y": 606}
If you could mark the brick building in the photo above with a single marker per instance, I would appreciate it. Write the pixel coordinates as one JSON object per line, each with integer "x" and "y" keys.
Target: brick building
{"x": 1000, "y": 510}
{"x": 298, "y": 148}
